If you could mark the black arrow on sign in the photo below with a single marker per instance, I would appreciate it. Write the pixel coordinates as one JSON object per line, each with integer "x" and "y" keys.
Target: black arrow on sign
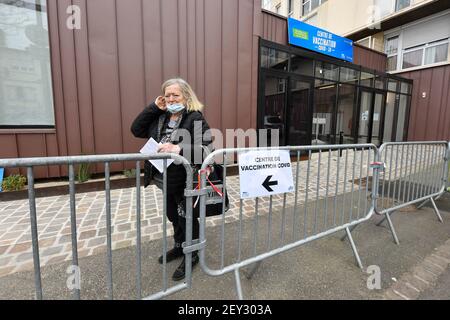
{"x": 267, "y": 184}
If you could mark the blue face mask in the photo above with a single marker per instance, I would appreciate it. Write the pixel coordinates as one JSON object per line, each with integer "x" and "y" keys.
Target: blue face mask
{"x": 175, "y": 108}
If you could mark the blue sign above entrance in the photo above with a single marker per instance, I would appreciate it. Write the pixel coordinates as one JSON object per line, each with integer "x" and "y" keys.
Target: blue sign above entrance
{"x": 307, "y": 36}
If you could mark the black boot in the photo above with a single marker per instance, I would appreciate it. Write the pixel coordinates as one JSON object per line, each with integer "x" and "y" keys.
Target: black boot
{"x": 172, "y": 254}
{"x": 179, "y": 273}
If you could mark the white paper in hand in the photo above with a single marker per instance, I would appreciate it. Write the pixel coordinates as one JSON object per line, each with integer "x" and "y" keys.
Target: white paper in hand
{"x": 151, "y": 148}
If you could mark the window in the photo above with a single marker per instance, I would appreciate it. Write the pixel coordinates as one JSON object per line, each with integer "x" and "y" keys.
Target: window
{"x": 25, "y": 75}
{"x": 274, "y": 59}
{"x": 436, "y": 53}
{"x": 389, "y": 117}
{"x": 364, "y": 42}
{"x": 412, "y": 58}
{"x": 306, "y": 7}
{"x": 402, "y": 4}
{"x": 350, "y": 76}
{"x": 310, "y": 5}
{"x": 325, "y": 70}
{"x": 302, "y": 65}
{"x": 277, "y": 8}
{"x": 344, "y": 119}
{"x": 391, "y": 49}
{"x": 367, "y": 79}
{"x": 289, "y": 7}
{"x": 430, "y": 53}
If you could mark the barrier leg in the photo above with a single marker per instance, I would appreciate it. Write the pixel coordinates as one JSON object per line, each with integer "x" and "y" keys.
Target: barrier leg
{"x": 391, "y": 226}
{"x": 382, "y": 220}
{"x": 436, "y": 210}
{"x": 351, "y": 229}
{"x": 422, "y": 204}
{"x": 238, "y": 284}
{"x": 253, "y": 270}
{"x": 355, "y": 252}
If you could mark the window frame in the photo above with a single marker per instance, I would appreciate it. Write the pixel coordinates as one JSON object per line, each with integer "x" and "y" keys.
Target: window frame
{"x": 389, "y": 55}
{"x": 396, "y": 3}
{"x": 38, "y": 128}
{"x": 423, "y": 48}
{"x": 310, "y": 8}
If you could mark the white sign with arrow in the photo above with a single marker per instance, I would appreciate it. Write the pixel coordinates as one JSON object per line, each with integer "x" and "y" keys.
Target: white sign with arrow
{"x": 265, "y": 173}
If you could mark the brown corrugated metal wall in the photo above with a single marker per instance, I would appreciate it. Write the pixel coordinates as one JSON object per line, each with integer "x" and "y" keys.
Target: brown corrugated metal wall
{"x": 430, "y": 115}
{"x": 105, "y": 73}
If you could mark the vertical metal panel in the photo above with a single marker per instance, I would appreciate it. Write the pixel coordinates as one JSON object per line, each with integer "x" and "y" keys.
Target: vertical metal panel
{"x": 152, "y": 47}
{"x": 32, "y": 145}
{"x": 213, "y": 62}
{"x": 274, "y": 28}
{"x": 52, "y": 6}
{"x": 192, "y": 43}
{"x": 430, "y": 115}
{"x": 257, "y": 32}
{"x": 200, "y": 47}
{"x": 169, "y": 32}
{"x": 83, "y": 73}
{"x": 105, "y": 77}
{"x": 369, "y": 58}
{"x": 183, "y": 39}
{"x": 229, "y": 63}
{"x": 51, "y": 144}
{"x": 245, "y": 43}
{"x": 435, "y": 106}
{"x": 132, "y": 73}
{"x": 69, "y": 83}
{"x": 9, "y": 150}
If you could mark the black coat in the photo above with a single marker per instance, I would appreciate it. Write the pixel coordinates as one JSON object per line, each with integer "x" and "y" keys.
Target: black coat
{"x": 149, "y": 124}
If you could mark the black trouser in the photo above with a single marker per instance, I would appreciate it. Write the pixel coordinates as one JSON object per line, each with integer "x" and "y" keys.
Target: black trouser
{"x": 174, "y": 205}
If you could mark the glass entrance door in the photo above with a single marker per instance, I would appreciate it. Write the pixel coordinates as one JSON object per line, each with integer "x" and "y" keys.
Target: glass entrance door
{"x": 371, "y": 105}
{"x": 377, "y": 118}
{"x": 299, "y": 112}
{"x": 365, "y": 107}
{"x": 287, "y": 107}
{"x": 273, "y": 115}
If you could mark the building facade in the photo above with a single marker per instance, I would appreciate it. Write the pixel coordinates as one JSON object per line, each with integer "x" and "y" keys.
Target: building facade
{"x": 74, "y": 75}
{"x": 415, "y": 35}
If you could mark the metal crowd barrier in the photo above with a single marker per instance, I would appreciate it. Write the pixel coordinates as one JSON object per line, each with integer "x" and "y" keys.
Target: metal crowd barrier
{"x": 331, "y": 194}
{"x": 336, "y": 189}
{"x": 410, "y": 173}
{"x": 30, "y": 163}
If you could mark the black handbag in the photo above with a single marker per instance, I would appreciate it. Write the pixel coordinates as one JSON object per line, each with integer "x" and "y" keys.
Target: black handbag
{"x": 216, "y": 194}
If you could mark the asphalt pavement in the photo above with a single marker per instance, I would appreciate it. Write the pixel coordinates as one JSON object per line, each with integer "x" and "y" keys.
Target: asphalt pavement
{"x": 322, "y": 269}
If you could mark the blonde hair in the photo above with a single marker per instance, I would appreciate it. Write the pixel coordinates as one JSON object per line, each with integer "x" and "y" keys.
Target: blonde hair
{"x": 192, "y": 102}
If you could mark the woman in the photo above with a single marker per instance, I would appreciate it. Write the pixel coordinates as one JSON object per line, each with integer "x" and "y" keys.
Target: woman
{"x": 167, "y": 120}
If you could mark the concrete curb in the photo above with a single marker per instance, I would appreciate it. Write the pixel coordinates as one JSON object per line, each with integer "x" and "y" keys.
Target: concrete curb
{"x": 422, "y": 277}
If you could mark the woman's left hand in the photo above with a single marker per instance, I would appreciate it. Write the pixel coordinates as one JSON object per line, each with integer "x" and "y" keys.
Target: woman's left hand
{"x": 169, "y": 148}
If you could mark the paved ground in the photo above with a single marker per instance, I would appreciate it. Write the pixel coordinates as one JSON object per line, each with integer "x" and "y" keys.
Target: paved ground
{"x": 54, "y": 212}
{"x": 442, "y": 289}
{"x": 324, "y": 269}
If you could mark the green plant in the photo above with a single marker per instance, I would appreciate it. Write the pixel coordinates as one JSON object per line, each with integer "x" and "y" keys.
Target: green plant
{"x": 83, "y": 172}
{"x": 14, "y": 182}
{"x": 130, "y": 173}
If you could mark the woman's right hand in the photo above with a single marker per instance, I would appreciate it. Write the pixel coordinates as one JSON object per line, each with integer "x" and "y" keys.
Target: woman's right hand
{"x": 161, "y": 103}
